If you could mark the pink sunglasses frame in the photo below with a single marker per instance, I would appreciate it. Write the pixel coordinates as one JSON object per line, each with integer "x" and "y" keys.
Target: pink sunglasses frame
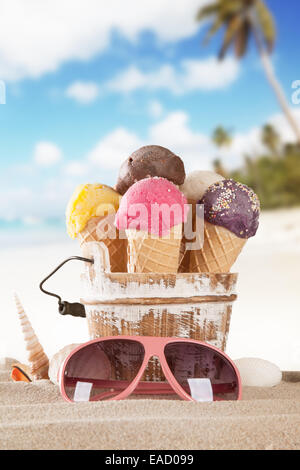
{"x": 153, "y": 346}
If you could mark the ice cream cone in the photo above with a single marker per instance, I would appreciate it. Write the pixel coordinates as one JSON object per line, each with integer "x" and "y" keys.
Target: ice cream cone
{"x": 220, "y": 250}
{"x": 37, "y": 359}
{"x": 148, "y": 253}
{"x": 102, "y": 229}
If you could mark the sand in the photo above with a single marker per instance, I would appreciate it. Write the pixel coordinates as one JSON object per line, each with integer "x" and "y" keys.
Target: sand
{"x": 34, "y": 416}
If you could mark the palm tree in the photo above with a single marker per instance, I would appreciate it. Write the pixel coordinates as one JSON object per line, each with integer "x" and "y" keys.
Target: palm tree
{"x": 219, "y": 168}
{"x": 221, "y": 137}
{"x": 271, "y": 138}
{"x": 242, "y": 19}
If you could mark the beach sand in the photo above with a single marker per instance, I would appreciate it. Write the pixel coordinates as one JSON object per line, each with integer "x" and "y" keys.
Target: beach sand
{"x": 34, "y": 416}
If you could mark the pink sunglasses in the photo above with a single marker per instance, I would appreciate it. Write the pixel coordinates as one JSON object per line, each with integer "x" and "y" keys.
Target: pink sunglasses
{"x": 111, "y": 368}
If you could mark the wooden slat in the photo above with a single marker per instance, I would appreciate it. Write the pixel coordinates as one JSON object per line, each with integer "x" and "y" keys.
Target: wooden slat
{"x": 164, "y": 300}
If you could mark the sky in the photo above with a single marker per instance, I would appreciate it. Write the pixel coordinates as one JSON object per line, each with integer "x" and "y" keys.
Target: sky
{"x": 88, "y": 82}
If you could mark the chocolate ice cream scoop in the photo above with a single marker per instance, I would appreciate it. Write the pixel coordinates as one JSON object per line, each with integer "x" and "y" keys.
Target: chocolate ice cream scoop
{"x": 150, "y": 161}
{"x": 233, "y": 206}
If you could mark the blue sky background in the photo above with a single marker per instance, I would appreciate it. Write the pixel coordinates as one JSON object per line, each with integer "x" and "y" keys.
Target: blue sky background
{"x": 136, "y": 88}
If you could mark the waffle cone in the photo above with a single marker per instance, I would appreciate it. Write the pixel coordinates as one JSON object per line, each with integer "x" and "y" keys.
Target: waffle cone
{"x": 148, "y": 253}
{"x": 102, "y": 229}
{"x": 184, "y": 257}
{"x": 220, "y": 250}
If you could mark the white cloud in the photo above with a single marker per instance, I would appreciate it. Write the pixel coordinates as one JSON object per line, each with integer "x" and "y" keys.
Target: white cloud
{"x": 174, "y": 133}
{"x": 280, "y": 122}
{"x": 75, "y": 168}
{"x": 83, "y": 92}
{"x": 205, "y": 74}
{"x": 195, "y": 147}
{"x": 114, "y": 148}
{"x": 37, "y": 37}
{"x": 249, "y": 143}
{"x": 47, "y": 154}
{"x": 155, "y": 109}
{"x": 209, "y": 74}
{"x": 128, "y": 80}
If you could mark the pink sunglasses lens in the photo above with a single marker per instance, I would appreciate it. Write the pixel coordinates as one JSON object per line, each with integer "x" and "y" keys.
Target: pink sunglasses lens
{"x": 202, "y": 372}
{"x": 102, "y": 370}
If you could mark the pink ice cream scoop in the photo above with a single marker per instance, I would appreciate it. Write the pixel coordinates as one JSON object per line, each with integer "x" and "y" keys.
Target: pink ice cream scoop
{"x": 153, "y": 205}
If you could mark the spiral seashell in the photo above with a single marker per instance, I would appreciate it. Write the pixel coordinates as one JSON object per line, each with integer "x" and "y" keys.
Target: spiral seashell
{"x": 37, "y": 359}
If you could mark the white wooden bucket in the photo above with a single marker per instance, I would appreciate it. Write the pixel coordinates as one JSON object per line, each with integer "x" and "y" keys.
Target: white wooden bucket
{"x": 185, "y": 305}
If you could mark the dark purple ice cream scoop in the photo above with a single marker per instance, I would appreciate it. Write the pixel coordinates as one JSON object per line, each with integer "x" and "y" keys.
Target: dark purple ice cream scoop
{"x": 233, "y": 206}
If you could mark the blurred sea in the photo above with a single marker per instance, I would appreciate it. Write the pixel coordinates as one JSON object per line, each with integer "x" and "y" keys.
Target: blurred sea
{"x": 26, "y": 232}
{"x": 278, "y": 230}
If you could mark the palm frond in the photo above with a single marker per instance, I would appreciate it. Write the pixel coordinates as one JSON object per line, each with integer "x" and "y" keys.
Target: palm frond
{"x": 221, "y": 137}
{"x": 266, "y": 23}
{"x": 232, "y": 28}
{"x": 228, "y": 8}
{"x": 207, "y": 11}
{"x": 242, "y": 38}
{"x": 217, "y": 24}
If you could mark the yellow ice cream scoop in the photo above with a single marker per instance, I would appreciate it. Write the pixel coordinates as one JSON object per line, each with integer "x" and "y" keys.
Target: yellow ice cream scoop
{"x": 89, "y": 200}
